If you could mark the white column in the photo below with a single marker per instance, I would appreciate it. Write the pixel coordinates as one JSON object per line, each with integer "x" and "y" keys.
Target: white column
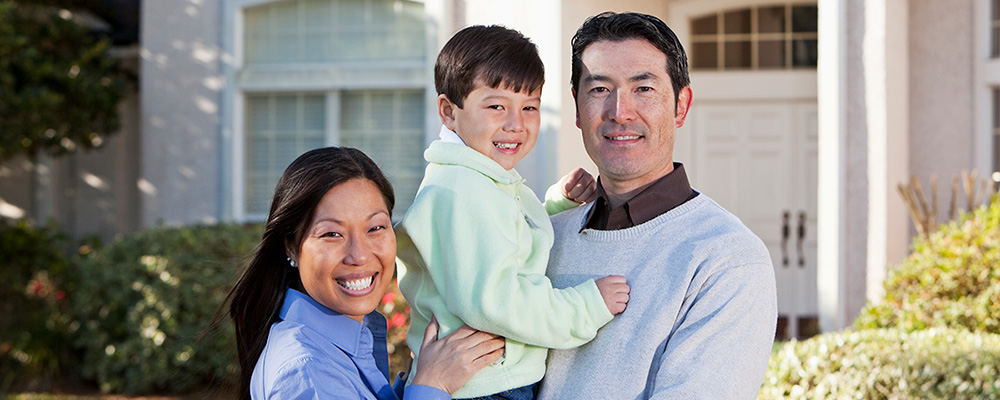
{"x": 832, "y": 105}
{"x": 886, "y": 74}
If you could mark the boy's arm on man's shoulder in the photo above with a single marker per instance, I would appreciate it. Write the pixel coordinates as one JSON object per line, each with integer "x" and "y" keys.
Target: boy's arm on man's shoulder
{"x": 556, "y": 202}
{"x": 727, "y": 331}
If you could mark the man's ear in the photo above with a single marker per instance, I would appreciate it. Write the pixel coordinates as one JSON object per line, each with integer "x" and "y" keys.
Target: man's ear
{"x": 577, "y": 107}
{"x": 446, "y": 110}
{"x": 683, "y": 105}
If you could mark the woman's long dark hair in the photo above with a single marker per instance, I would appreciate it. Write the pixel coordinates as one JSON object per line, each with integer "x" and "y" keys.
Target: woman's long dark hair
{"x": 256, "y": 299}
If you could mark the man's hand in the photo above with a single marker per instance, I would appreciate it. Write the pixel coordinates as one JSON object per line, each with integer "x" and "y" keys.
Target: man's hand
{"x": 579, "y": 185}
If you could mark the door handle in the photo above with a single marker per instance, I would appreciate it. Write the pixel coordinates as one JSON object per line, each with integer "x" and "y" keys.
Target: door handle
{"x": 785, "y": 233}
{"x": 802, "y": 239}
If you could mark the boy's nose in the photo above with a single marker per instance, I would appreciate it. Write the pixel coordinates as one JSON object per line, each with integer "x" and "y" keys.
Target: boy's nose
{"x": 514, "y": 123}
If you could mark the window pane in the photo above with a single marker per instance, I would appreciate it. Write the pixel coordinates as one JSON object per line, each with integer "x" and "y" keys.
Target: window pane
{"x": 391, "y": 133}
{"x": 705, "y": 25}
{"x": 804, "y": 53}
{"x": 705, "y": 55}
{"x": 771, "y": 54}
{"x": 335, "y": 30}
{"x": 738, "y": 55}
{"x": 279, "y": 128}
{"x": 771, "y": 19}
{"x": 737, "y": 21}
{"x": 804, "y": 19}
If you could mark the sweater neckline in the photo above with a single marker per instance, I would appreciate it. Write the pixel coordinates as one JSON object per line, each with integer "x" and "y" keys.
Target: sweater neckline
{"x": 644, "y": 228}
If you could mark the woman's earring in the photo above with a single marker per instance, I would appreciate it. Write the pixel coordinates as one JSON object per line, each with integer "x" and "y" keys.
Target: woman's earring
{"x": 291, "y": 262}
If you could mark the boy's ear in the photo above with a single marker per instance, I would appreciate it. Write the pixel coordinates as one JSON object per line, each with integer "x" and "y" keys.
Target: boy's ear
{"x": 446, "y": 110}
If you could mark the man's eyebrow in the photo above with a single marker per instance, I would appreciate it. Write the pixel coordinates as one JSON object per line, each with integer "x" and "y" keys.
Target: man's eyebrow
{"x": 645, "y": 76}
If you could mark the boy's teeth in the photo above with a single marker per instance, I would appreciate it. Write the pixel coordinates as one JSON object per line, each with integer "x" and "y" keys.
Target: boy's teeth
{"x": 505, "y": 146}
{"x": 357, "y": 284}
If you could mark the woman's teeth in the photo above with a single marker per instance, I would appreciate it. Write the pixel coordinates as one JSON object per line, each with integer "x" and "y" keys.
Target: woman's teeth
{"x": 357, "y": 284}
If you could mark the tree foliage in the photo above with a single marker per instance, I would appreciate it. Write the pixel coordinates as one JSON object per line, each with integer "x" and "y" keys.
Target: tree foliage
{"x": 59, "y": 86}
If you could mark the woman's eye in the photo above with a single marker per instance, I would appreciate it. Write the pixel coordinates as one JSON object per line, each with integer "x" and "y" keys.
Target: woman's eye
{"x": 331, "y": 234}
{"x": 377, "y": 228}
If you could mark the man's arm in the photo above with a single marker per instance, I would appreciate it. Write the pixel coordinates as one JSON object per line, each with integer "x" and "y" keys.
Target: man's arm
{"x": 720, "y": 347}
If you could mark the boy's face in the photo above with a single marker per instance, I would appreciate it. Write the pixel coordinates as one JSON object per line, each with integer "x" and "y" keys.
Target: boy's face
{"x": 499, "y": 123}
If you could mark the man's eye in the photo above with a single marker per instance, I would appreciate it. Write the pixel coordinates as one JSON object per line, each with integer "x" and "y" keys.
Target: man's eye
{"x": 644, "y": 89}
{"x": 599, "y": 89}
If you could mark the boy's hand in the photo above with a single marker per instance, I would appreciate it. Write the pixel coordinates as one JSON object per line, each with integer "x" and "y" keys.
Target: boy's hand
{"x": 615, "y": 291}
{"x": 579, "y": 185}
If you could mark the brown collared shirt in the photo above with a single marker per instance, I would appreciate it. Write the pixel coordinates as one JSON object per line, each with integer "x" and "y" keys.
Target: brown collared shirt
{"x": 663, "y": 195}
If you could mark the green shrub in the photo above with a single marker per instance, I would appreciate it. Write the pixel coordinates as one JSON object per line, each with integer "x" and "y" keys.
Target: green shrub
{"x": 143, "y": 300}
{"x": 950, "y": 280}
{"x": 887, "y": 364}
{"x": 35, "y": 277}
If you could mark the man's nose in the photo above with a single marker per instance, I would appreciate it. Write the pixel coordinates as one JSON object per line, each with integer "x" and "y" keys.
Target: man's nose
{"x": 622, "y": 108}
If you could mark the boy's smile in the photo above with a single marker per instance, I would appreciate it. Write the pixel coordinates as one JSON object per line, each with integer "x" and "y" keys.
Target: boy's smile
{"x": 499, "y": 123}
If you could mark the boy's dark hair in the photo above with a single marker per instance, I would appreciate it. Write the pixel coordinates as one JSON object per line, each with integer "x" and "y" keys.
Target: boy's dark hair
{"x": 617, "y": 27}
{"x": 493, "y": 55}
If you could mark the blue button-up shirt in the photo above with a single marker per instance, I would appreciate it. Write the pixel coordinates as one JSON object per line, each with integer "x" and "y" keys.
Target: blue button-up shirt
{"x": 317, "y": 353}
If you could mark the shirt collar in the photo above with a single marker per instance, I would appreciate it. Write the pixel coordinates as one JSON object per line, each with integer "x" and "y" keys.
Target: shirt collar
{"x": 344, "y": 332}
{"x": 664, "y": 194}
{"x": 449, "y": 136}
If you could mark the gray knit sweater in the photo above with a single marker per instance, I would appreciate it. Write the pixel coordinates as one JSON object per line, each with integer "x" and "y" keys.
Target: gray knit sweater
{"x": 701, "y": 315}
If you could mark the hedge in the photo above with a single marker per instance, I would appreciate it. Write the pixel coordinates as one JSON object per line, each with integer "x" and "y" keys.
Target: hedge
{"x": 944, "y": 364}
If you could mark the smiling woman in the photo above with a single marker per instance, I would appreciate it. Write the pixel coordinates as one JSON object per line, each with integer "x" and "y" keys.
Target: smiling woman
{"x": 304, "y": 307}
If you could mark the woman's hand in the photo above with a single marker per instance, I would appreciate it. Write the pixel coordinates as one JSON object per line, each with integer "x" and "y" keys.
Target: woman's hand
{"x": 449, "y": 362}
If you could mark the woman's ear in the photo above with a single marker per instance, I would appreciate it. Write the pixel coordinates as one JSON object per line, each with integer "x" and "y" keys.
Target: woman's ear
{"x": 446, "y": 110}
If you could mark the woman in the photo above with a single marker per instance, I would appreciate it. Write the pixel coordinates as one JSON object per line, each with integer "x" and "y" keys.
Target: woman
{"x": 304, "y": 307}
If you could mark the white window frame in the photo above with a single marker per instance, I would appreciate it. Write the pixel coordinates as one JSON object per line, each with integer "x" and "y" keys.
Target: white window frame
{"x": 329, "y": 78}
{"x": 987, "y": 77}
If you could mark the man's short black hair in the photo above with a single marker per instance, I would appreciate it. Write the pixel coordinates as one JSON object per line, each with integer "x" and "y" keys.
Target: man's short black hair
{"x": 493, "y": 55}
{"x": 617, "y": 27}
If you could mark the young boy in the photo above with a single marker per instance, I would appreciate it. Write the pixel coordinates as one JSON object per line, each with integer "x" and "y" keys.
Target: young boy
{"x": 475, "y": 243}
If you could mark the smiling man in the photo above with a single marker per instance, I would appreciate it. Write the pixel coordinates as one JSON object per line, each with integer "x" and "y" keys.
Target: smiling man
{"x": 701, "y": 316}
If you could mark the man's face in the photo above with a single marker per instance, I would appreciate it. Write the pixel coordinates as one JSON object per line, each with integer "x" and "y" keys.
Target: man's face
{"x": 625, "y": 108}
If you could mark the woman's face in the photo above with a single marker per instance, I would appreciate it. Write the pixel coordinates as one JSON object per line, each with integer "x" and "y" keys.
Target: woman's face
{"x": 347, "y": 257}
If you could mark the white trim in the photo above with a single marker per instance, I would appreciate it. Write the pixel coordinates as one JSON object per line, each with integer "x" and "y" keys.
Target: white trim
{"x": 333, "y": 118}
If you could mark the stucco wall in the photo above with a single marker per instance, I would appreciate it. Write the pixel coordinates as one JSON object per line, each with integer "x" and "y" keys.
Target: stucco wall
{"x": 941, "y": 92}
{"x": 180, "y": 82}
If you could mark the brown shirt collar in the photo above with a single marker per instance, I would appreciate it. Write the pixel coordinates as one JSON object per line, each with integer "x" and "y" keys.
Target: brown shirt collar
{"x": 663, "y": 195}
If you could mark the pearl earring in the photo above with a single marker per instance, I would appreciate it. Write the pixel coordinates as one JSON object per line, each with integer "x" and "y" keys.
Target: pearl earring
{"x": 291, "y": 262}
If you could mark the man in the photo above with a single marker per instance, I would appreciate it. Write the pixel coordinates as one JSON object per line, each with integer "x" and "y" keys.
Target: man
{"x": 701, "y": 316}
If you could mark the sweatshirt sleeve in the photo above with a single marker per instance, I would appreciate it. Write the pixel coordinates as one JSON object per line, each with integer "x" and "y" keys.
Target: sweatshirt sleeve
{"x": 555, "y": 202}
{"x": 472, "y": 242}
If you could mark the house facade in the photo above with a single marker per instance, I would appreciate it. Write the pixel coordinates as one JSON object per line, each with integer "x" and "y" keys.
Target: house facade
{"x": 806, "y": 116}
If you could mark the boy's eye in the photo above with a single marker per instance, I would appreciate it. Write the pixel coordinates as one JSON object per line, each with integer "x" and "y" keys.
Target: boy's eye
{"x": 495, "y": 107}
{"x": 530, "y": 108}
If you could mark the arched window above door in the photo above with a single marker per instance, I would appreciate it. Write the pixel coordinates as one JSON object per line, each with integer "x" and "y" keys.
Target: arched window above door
{"x": 781, "y": 36}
